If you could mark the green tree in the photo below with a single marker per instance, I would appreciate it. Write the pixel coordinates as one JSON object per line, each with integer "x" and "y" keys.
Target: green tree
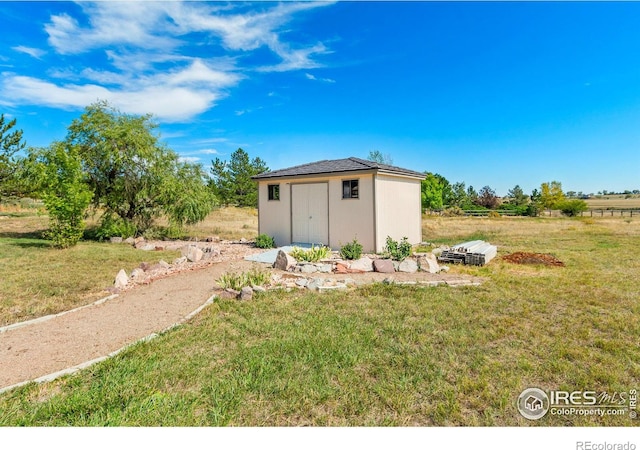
{"x": 517, "y": 196}
{"x": 231, "y": 181}
{"x": 472, "y": 198}
{"x": 458, "y": 195}
{"x": 551, "y": 195}
{"x": 377, "y": 156}
{"x": 131, "y": 174}
{"x": 64, "y": 192}
{"x": 431, "y": 192}
{"x": 10, "y": 143}
{"x": 572, "y": 207}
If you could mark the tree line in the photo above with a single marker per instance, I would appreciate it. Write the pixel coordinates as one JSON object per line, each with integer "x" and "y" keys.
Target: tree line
{"x": 114, "y": 165}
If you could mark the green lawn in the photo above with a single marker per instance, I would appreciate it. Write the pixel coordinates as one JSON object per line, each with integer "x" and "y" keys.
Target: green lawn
{"x": 385, "y": 355}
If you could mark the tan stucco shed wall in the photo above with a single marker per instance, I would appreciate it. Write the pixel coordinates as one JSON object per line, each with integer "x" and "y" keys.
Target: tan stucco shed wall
{"x": 348, "y": 218}
{"x": 398, "y": 209}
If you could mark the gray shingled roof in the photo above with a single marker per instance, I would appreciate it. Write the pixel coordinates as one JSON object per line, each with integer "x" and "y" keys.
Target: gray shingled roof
{"x": 330, "y": 166}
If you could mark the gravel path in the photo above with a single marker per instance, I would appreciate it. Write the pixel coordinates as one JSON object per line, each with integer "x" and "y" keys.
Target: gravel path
{"x": 42, "y": 348}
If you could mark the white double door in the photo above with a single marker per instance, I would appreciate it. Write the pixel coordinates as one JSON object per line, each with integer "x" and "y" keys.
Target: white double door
{"x": 310, "y": 213}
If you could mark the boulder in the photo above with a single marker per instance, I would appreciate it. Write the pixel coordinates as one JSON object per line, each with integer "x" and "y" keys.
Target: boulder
{"x": 138, "y": 240}
{"x": 315, "y": 283}
{"x": 137, "y": 273}
{"x": 325, "y": 268}
{"x": 408, "y": 265}
{"x": 192, "y": 253}
{"x": 129, "y": 241}
{"x": 122, "y": 279}
{"x": 429, "y": 263}
{"x": 180, "y": 261}
{"x": 258, "y": 288}
{"x": 246, "y": 293}
{"x": 284, "y": 261}
{"x": 308, "y": 268}
{"x": 341, "y": 268}
{"x": 302, "y": 282}
{"x": 115, "y": 240}
{"x": 383, "y": 266}
{"x": 364, "y": 264}
{"x": 164, "y": 264}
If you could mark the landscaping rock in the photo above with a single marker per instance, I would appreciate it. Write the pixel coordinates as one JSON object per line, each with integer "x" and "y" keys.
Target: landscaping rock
{"x": 444, "y": 268}
{"x": 284, "y": 261}
{"x": 315, "y": 283}
{"x": 129, "y": 241}
{"x": 258, "y": 288}
{"x": 137, "y": 273}
{"x": 146, "y": 247}
{"x": 341, "y": 268}
{"x": 115, "y": 240}
{"x": 429, "y": 263}
{"x": 334, "y": 287}
{"x": 192, "y": 253}
{"x": 383, "y": 266}
{"x": 325, "y": 268}
{"x": 302, "y": 282}
{"x": 409, "y": 265}
{"x": 308, "y": 268}
{"x": 246, "y": 293}
{"x": 180, "y": 261}
{"x": 138, "y": 240}
{"x": 164, "y": 264}
{"x": 229, "y": 293}
{"x": 365, "y": 264}
{"x": 122, "y": 279}
{"x": 144, "y": 266}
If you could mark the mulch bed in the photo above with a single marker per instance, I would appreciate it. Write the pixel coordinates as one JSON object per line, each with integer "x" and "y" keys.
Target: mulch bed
{"x": 533, "y": 258}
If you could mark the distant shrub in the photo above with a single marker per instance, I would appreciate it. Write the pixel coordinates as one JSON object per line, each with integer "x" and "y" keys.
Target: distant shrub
{"x": 572, "y": 207}
{"x": 351, "y": 250}
{"x": 265, "y": 241}
{"x": 533, "y": 210}
{"x": 454, "y": 211}
{"x": 313, "y": 254}
{"x": 397, "y": 251}
{"x": 494, "y": 214}
{"x": 113, "y": 226}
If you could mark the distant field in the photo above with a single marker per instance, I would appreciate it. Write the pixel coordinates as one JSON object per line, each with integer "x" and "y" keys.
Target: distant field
{"x": 614, "y": 202}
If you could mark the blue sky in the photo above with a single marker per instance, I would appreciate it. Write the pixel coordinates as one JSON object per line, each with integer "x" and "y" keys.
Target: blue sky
{"x": 498, "y": 93}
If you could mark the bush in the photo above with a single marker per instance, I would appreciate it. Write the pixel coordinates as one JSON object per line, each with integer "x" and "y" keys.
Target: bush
{"x": 572, "y": 207}
{"x": 113, "y": 226}
{"x": 237, "y": 281}
{"x": 453, "y": 211}
{"x": 397, "y": 251}
{"x": 351, "y": 250}
{"x": 313, "y": 254}
{"x": 265, "y": 241}
{"x": 533, "y": 210}
{"x": 494, "y": 214}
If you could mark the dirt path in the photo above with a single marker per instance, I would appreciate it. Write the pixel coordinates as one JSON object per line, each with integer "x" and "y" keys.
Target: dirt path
{"x": 43, "y": 348}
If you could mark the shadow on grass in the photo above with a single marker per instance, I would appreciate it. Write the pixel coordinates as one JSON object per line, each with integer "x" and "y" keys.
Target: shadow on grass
{"x": 24, "y": 239}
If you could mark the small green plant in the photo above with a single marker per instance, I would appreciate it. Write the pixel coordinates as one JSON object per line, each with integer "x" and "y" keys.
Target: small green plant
{"x": 113, "y": 226}
{"x": 351, "y": 250}
{"x": 313, "y": 254}
{"x": 494, "y": 214}
{"x": 237, "y": 281}
{"x": 397, "y": 251}
{"x": 265, "y": 241}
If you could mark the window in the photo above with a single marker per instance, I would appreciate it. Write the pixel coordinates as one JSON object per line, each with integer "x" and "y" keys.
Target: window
{"x": 349, "y": 188}
{"x": 274, "y": 192}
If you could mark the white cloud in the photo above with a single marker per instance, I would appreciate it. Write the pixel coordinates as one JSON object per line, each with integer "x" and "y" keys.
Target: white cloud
{"x": 149, "y": 49}
{"x": 33, "y": 52}
{"x": 314, "y": 78}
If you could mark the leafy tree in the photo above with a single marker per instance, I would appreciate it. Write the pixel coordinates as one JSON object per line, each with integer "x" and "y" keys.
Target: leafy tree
{"x": 472, "y": 198}
{"x": 131, "y": 174}
{"x": 232, "y": 181}
{"x": 10, "y": 143}
{"x": 458, "y": 195}
{"x": 431, "y": 192}
{"x": 377, "y": 156}
{"x": 487, "y": 198}
{"x": 551, "y": 195}
{"x": 517, "y": 196}
{"x": 64, "y": 192}
{"x": 572, "y": 207}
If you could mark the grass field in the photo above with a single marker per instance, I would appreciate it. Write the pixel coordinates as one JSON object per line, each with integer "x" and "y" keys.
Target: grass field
{"x": 614, "y": 202}
{"x": 386, "y": 355}
{"x": 30, "y": 270}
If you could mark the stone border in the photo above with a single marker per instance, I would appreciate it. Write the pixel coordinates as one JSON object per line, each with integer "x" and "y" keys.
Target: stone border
{"x": 84, "y": 365}
{"x": 14, "y": 326}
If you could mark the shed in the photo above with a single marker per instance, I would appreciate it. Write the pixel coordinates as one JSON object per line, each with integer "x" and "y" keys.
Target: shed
{"x": 331, "y": 202}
